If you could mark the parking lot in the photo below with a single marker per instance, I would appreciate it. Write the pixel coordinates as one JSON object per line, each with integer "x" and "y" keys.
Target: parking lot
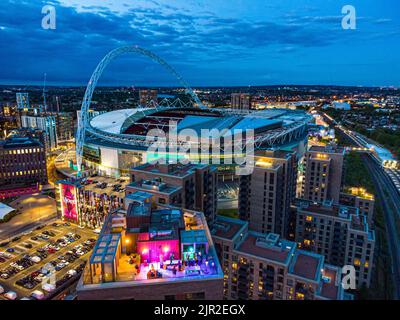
{"x": 61, "y": 247}
{"x": 109, "y": 186}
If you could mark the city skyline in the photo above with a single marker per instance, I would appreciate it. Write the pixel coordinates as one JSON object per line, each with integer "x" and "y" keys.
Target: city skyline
{"x": 259, "y": 44}
{"x": 222, "y": 151}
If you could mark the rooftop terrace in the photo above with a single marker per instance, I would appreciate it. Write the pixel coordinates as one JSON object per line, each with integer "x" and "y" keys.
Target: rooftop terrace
{"x": 174, "y": 246}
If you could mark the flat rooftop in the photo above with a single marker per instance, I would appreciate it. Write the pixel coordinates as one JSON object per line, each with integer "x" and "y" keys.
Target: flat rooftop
{"x": 134, "y": 269}
{"x": 154, "y": 186}
{"x": 329, "y": 288}
{"x": 19, "y": 142}
{"x": 339, "y": 211}
{"x": 278, "y": 252}
{"x": 327, "y": 149}
{"x": 307, "y": 265}
{"x": 109, "y": 189}
{"x": 226, "y": 227}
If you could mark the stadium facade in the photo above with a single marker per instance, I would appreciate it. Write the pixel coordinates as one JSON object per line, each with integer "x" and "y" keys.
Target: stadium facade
{"x": 118, "y": 140}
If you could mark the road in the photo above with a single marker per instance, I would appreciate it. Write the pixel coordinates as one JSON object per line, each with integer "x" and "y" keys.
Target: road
{"x": 35, "y": 210}
{"x": 390, "y": 200}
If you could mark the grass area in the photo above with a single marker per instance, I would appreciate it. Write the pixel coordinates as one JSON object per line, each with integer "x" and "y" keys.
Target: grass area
{"x": 356, "y": 174}
{"x": 230, "y": 213}
{"x": 388, "y": 138}
{"x": 342, "y": 139}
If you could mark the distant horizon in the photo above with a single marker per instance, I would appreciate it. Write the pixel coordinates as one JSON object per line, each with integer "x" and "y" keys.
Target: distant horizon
{"x": 49, "y": 85}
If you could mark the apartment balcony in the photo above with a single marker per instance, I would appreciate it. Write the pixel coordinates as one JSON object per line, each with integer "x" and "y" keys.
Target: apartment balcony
{"x": 243, "y": 295}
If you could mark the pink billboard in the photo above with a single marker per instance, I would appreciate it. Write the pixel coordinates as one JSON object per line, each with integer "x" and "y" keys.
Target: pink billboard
{"x": 69, "y": 204}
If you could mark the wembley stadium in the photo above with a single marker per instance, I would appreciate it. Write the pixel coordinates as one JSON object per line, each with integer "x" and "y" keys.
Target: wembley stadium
{"x": 112, "y": 143}
{"x": 119, "y": 140}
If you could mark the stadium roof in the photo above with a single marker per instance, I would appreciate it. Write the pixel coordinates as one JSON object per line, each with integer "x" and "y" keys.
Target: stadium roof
{"x": 5, "y": 210}
{"x": 112, "y": 121}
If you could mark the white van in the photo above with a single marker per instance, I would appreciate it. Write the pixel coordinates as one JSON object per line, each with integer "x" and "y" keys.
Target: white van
{"x": 10, "y": 295}
{"x": 48, "y": 287}
{"x": 35, "y": 259}
{"x": 37, "y": 294}
{"x": 72, "y": 272}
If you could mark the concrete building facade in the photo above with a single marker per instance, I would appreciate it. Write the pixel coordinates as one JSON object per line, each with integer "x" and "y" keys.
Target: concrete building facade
{"x": 340, "y": 233}
{"x": 265, "y": 196}
{"x": 191, "y": 186}
{"x": 259, "y": 266}
{"x": 323, "y": 173}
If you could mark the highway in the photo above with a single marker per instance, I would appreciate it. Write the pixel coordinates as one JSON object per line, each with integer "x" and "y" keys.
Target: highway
{"x": 389, "y": 197}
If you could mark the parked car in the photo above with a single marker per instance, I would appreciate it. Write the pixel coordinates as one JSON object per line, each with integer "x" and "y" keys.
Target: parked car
{"x": 48, "y": 287}
{"x": 35, "y": 259}
{"x": 10, "y": 295}
{"x": 5, "y": 254}
{"x": 38, "y": 295}
{"x": 72, "y": 272}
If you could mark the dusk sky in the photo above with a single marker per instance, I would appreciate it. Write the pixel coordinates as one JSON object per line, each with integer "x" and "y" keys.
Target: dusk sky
{"x": 210, "y": 42}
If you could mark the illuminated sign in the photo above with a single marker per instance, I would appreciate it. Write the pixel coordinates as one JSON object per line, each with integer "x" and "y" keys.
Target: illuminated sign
{"x": 69, "y": 206}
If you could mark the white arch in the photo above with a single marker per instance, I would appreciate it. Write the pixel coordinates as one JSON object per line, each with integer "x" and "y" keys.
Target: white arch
{"x": 87, "y": 99}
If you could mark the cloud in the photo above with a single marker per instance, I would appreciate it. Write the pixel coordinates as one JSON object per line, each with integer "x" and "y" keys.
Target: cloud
{"x": 198, "y": 41}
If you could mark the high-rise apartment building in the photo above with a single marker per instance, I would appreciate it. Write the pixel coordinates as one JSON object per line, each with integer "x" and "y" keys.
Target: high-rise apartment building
{"x": 240, "y": 101}
{"x": 46, "y": 123}
{"x": 147, "y": 96}
{"x": 260, "y": 266}
{"x": 23, "y": 166}
{"x": 266, "y": 194}
{"x": 361, "y": 199}
{"x": 323, "y": 173}
{"x": 23, "y": 100}
{"x": 192, "y": 186}
{"x": 340, "y": 233}
{"x": 64, "y": 125}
